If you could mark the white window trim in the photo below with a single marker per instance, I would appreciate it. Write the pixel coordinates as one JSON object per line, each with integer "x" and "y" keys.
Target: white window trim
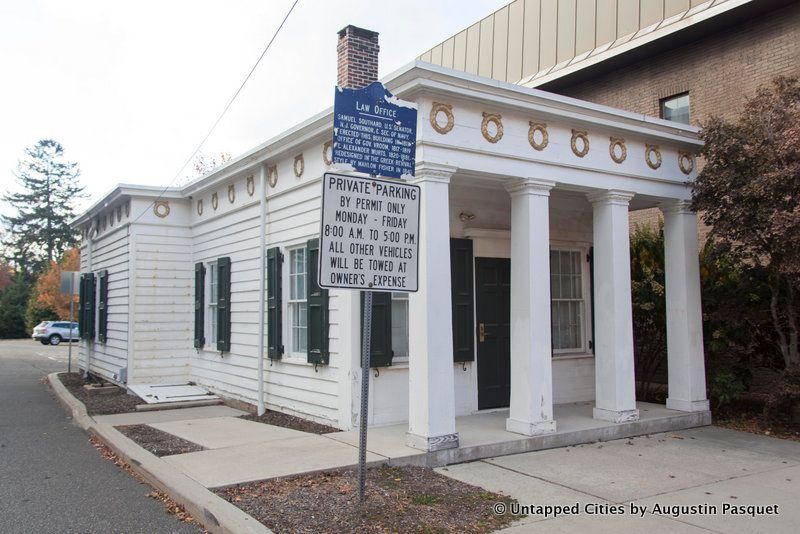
{"x": 585, "y": 323}
{"x": 208, "y": 329}
{"x": 403, "y": 360}
{"x": 290, "y": 355}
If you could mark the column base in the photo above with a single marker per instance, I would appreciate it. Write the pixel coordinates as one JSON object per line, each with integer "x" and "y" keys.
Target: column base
{"x": 432, "y": 444}
{"x": 534, "y": 428}
{"x": 615, "y": 416}
{"x": 687, "y": 406}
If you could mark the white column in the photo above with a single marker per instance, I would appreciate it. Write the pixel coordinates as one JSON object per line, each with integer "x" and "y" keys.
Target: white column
{"x": 615, "y": 383}
{"x": 685, "y": 359}
{"x": 431, "y": 399}
{"x": 531, "y": 408}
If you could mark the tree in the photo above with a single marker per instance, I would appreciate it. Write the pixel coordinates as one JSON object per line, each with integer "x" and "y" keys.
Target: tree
{"x": 205, "y": 163}
{"x": 12, "y": 308}
{"x": 47, "y": 291}
{"x": 749, "y": 193}
{"x": 39, "y": 233}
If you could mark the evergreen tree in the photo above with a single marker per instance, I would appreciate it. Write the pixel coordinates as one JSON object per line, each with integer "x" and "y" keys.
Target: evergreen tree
{"x": 12, "y": 309}
{"x": 39, "y": 233}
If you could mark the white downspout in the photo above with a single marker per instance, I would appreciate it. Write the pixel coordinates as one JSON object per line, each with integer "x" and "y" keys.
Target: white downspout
{"x": 263, "y": 267}
{"x": 89, "y": 342}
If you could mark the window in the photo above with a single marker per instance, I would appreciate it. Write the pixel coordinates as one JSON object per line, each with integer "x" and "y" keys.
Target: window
{"x": 400, "y": 325}
{"x": 566, "y": 294}
{"x": 213, "y": 293}
{"x": 298, "y": 318}
{"x": 676, "y": 108}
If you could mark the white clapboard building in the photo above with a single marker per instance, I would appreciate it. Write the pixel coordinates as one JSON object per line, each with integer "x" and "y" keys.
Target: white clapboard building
{"x": 524, "y": 300}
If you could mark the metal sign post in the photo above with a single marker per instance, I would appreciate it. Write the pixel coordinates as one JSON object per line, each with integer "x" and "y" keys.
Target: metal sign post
{"x": 68, "y": 286}
{"x": 369, "y": 231}
{"x": 366, "y": 349}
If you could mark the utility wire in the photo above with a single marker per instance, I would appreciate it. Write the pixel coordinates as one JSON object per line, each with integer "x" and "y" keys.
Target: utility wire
{"x": 221, "y": 115}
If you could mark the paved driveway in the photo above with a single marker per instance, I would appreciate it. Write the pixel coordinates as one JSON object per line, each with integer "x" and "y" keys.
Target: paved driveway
{"x": 51, "y": 478}
{"x": 703, "y": 467}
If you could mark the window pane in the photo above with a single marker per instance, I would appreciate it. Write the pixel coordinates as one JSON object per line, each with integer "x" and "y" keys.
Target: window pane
{"x": 676, "y": 108}
{"x": 400, "y": 324}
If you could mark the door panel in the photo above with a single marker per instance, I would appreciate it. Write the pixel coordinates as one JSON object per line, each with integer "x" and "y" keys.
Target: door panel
{"x": 493, "y": 303}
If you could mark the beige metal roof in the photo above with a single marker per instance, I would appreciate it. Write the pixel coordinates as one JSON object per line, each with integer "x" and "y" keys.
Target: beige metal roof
{"x": 531, "y": 42}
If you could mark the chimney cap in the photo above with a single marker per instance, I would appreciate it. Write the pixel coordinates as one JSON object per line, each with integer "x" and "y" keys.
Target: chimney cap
{"x": 360, "y": 32}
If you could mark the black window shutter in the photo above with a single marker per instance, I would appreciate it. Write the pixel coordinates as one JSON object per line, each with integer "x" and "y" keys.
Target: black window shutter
{"x": 199, "y": 305}
{"x": 317, "y": 308}
{"x": 381, "y": 338}
{"x": 81, "y": 306}
{"x": 224, "y": 304}
{"x": 87, "y": 311}
{"x": 463, "y": 293}
{"x": 590, "y": 259}
{"x": 102, "y": 307}
{"x": 274, "y": 304}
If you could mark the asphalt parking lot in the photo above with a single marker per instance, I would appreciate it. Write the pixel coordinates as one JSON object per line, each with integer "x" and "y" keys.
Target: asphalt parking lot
{"x": 51, "y": 478}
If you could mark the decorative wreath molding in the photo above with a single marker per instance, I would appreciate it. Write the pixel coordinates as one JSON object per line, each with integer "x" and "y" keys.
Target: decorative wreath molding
{"x": 272, "y": 173}
{"x": 447, "y": 109}
{"x": 231, "y": 193}
{"x": 299, "y": 165}
{"x": 612, "y": 149}
{"x": 215, "y": 200}
{"x": 542, "y": 129}
{"x": 251, "y": 185}
{"x": 200, "y": 207}
{"x": 497, "y": 120}
{"x": 652, "y": 149}
{"x": 327, "y": 153}
{"x": 161, "y": 208}
{"x": 583, "y": 136}
{"x": 685, "y": 162}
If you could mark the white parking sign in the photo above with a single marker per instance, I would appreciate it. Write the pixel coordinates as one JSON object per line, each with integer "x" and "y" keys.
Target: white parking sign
{"x": 369, "y": 237}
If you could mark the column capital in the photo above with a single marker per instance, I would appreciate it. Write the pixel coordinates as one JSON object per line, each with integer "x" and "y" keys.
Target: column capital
{"x": 529, "y": 186}
{"x": 611, "y": 196}
{"x": 677, "y": 206}
{"x": 433, "y": 172}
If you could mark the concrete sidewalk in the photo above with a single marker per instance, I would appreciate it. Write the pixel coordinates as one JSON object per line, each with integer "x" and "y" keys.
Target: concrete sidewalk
{"x": 704, "y": 466}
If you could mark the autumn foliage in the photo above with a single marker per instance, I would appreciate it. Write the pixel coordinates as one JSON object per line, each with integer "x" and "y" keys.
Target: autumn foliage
{"x": 48, "y": 287}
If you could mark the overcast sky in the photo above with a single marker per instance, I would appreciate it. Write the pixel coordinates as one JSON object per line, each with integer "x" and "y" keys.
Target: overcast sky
{"x": 130, "y": 88}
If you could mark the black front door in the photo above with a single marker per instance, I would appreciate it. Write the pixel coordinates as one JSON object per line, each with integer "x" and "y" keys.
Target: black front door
{"x": 493, "y": 303}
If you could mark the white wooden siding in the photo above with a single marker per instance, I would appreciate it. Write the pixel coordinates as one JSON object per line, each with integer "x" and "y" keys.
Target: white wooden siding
{"x": 109, "y": 252}
{"x": 291, "y": 385}
{"x": 163, "y": 300}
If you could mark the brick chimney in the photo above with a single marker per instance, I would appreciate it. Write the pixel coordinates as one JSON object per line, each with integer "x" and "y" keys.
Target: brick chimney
{"x": 358, "y": 57}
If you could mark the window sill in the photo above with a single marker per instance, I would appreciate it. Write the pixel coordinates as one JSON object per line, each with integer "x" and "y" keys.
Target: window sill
{"x": 573, "y": 355}
{"x": 296, "y": 360}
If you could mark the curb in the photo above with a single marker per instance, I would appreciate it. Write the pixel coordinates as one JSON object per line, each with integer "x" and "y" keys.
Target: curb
{"x": 216, "y": 514}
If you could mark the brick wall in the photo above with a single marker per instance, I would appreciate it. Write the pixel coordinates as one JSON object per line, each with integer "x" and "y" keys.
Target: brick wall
{"x": 357, "y": 53}
{"x": 719, "y": 71}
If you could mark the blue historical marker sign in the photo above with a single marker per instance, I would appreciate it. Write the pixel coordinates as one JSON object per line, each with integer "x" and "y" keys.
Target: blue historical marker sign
{"x": 374, "y": 132}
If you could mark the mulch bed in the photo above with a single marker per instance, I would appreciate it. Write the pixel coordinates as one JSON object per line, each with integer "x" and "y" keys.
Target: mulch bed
{"x": 398, "y": 499}
{"x": 289, "y": 421}
{"x": 157, "y": 441}
{"x": 99, "y": 403}
{"x": 747, "y": 415}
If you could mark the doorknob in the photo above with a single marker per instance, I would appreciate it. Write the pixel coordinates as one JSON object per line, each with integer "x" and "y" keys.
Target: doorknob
{"x": 481, "y": 332}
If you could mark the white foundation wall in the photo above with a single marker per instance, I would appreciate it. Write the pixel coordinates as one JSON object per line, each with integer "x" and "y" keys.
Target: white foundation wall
{"x": 570, "y": 227}
{"x": 109, "y": 251}
{"x": 291, "y": 384}
{"x": 162, "y": 296}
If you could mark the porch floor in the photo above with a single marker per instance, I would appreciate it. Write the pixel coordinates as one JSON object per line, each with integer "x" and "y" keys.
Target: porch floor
{"x": 484, "y": 435}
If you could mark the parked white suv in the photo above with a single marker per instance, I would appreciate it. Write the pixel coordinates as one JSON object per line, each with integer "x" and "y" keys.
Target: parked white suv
{"x": 54, "y": 332}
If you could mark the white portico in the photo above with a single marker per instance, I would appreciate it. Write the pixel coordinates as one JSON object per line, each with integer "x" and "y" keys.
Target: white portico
{"x": 530, "y": 178}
